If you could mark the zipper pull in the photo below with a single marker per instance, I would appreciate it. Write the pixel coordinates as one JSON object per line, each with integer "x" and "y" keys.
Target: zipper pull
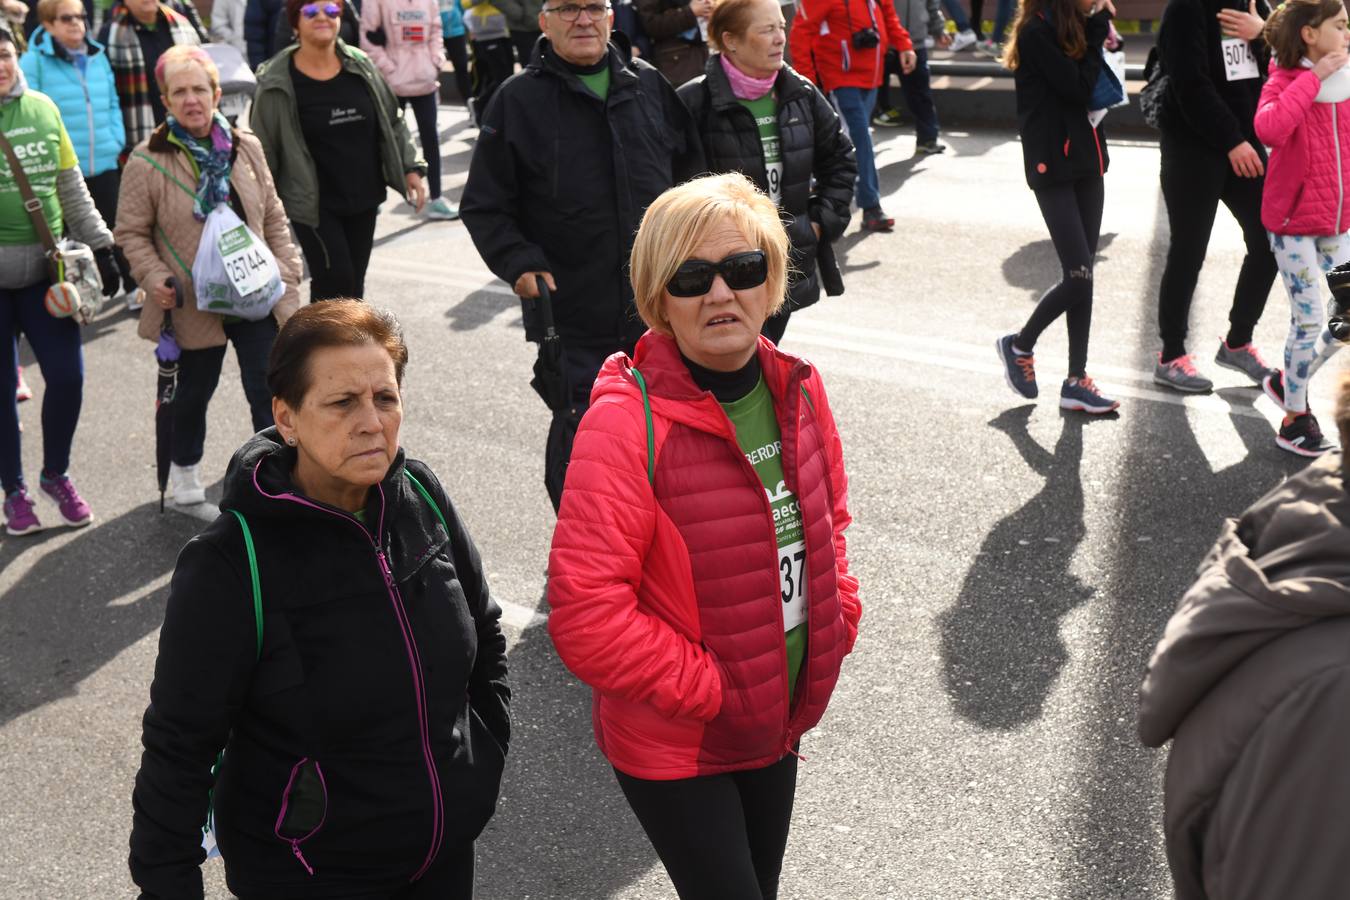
{"x": 384, "y": 567}
{"x": 295, "y": 848}
{"x": 788, "y": 748}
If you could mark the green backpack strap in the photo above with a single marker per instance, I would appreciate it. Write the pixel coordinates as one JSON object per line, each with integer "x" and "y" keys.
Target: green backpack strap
{"x": 807, "y": 395}
{"x": 253, "y": 573}
{"x": 426, "y": 495}
{"x": 651, "y": 431}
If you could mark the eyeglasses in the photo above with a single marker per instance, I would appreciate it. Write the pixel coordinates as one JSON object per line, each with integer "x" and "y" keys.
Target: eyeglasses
{"x": 72, "y": 18}
{"x": 571, "y": 12}
{"x": 331, "y": 10}
{"x": 741, "y": 271}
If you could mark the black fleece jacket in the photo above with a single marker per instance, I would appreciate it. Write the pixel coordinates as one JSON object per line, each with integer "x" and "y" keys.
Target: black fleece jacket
{"x": 371, "y": 732}
{"x": 559, "y": 181}
{"x": 819, "y": 166}
{"x": 1059, "y": 144}
{"x": 1200, "y": 102}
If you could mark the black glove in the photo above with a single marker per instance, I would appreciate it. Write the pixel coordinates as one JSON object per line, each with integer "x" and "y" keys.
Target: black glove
{"x": 108, "y": 272}
{"x": 124, "y": 267}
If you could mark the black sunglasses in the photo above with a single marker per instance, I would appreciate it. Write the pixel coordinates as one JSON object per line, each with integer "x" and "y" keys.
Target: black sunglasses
{"x": 741, "y": 271}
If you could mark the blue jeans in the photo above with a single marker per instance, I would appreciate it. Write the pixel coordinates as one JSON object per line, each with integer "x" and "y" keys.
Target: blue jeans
{"x": 855, "y": 106}
{"x": 56, "y": 343}
{"x": 956, "y": 14}
{"x": 198, "y": 374}
{"x": 1001, "y": 19}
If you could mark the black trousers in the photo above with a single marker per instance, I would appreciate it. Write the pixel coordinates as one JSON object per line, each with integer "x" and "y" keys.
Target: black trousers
{"x": 198, "y": 375}
{"x": 720, "y": 837}
{"x": 1073, "y": 214}
{"x": 524, "y": 42}
{"x": 1195, "y": 179}
{"x": 338, "y": 252}
{"x": 918, "y": 90}
{"x": 775, "y": 325}
{"x": 424, "y": 111}
{"x": 449, "y": 878}
{"x": 580, "y": 363}
{"x": 103, "y": 190}
{"x": 457, "y": 51}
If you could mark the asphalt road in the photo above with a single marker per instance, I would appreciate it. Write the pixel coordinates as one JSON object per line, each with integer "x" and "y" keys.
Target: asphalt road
{"x": 1017, "y": 564}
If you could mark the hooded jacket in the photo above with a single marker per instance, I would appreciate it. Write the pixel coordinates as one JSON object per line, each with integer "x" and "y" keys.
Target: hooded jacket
{"x": 559, "y": 181}
{"x": 819, "y": 166}
{"x": 1251, "y": 681}
{"x": 365, "y": 737}
{"x": 665, "y": 592}
{"x": 1310, "y": 150}
{"x": 413, "y": 49}
{"x": 88, "y": 100}
{"x": 1059, "y": 144}
{"x": 822, "y": 44}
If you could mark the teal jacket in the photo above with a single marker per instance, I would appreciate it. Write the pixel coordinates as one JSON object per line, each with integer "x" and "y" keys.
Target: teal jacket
{"x": 276, "y": 122}
{"x": 88, "y": 102}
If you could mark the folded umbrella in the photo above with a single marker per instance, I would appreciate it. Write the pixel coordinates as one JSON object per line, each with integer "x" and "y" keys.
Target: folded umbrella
{"x": 550, "y": 380}
{"x": 166, "y": 355}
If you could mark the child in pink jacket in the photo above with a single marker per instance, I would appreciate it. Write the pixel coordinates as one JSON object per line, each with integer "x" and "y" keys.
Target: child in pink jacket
{"x": 404, "y": 39}
{"x": 1304, "y": 117}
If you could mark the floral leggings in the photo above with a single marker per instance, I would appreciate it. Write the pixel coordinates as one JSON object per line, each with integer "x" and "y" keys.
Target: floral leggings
{"x": 1304, "y": 261}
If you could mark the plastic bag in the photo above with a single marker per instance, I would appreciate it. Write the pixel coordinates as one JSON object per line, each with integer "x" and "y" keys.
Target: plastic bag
{"x": 78, "y": 290}
{"x": 234, "y": 273}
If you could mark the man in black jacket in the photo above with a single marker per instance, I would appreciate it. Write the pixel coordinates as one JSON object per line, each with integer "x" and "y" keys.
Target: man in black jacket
{"x": 1215, "y": 63}
{"x": 570, "y": 153}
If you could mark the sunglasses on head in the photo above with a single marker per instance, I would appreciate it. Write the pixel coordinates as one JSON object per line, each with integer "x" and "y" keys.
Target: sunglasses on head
{"x": 741, "y": 271}
{"x": 331, "y": 10}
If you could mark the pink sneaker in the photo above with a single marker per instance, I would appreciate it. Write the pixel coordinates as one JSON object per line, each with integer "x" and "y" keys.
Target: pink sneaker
{"x": 24, "y": 392}
{"x": 19, "y": 515}
{"x": 74, "y": 510}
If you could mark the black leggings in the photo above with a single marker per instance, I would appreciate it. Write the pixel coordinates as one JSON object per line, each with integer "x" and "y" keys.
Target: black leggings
{"x": 424, "y": 111}
{"x": 720, "y": 837}
{"x": 457, "y": 51}
{"x": 338, "y": 252}
{"x": 1194, "y": 180}
{"x": 1073, "y": 213}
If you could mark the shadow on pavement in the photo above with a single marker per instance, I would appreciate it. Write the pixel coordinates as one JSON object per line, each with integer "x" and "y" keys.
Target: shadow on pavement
{"x": 57, "y": 626}
{"x": 563, "y": 830}
{"x": 481, "y": 307}
{"x": 1034, "y": 267}
{"x": 1001, "y": 643}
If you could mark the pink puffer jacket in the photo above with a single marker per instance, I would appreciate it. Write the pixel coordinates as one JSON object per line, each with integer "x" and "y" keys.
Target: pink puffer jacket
{"x": 1310, "y": 151}
{"x": 413, "y": 50}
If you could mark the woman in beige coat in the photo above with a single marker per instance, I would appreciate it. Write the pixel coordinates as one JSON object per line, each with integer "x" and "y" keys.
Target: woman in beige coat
{"x": 192, "y": 162}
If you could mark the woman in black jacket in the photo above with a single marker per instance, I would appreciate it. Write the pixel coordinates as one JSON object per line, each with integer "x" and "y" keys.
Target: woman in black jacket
{"x": 757, "y": 116}
{"x": 1056, "y": 53}
{"x": 1210, "y": 153}
{"x": 332, "y": 632}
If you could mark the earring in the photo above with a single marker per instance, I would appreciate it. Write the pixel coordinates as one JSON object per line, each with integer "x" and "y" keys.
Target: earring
{"x": 290, "y": 441}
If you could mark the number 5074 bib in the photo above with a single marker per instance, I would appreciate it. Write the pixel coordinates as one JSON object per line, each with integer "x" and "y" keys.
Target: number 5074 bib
{"x": 1239, "y": 63}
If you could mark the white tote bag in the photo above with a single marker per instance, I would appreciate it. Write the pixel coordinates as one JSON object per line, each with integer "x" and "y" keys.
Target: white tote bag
{"x": 234, "y": 273}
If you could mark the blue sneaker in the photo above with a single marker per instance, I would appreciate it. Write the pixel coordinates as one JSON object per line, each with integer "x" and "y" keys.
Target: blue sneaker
{"x": 1082, "y": 395}
{"x": 1019, "y": 369}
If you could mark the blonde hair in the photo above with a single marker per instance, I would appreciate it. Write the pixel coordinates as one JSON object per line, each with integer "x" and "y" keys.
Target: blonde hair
{"x": 181, "y": 56}
{"x": 48, "y": 10}
{"x": 678, "y": 220}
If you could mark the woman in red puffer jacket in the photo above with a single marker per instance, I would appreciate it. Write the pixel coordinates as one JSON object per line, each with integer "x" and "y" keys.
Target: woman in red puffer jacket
{"x": 699, "y": 575}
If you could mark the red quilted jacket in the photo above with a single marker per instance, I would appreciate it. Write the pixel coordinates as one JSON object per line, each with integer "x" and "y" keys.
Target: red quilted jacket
{"x": 665, "y": 595}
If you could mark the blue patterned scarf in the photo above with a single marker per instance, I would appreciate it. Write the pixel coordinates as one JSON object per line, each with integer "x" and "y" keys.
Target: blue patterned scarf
{"x": 213, "y": 163}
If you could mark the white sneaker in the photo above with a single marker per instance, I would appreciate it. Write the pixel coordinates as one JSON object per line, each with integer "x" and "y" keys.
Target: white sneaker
{"x": 963, "y": 40}
{"x": 135, "y": 300}
{"x": 185, "y": 487}
{"x": 441, "y": 210}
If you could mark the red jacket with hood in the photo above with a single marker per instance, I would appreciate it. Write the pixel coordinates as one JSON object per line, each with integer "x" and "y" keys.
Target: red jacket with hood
{"x": 822, "y": 46}
{"x": 664, "y": 593}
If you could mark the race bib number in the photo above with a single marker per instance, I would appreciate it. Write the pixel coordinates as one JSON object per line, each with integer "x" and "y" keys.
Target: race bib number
{"x": 1238, "y": 61}
{"x": 245, "y": 265}
{"x": 775, "y": 172}
{"x": 792, "y": 583}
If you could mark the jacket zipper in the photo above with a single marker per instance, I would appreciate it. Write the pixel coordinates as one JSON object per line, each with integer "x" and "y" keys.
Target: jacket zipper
{"x": 414, "y": 663}
{"x": 89, "y": 116}
{"x": 1340, "y": 183}
{"x": 1101, "y": 163}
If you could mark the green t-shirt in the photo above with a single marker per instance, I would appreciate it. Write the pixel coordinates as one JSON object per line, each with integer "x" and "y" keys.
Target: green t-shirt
{"x": 33, "y": 126}
{"x": 598, "y": 83}
{"x": 765, "y": 111}
{"x": 761, "y": 440}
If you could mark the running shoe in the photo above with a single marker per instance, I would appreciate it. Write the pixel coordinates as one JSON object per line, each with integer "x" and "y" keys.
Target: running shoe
{"x": 887, "y": 118}
{"x": 875, "y": 219}
{"x": 1303, "y": 436}
{"x": 1019, "y": 369}
{"x": 1180, "y": 375}
{"x": 185, "y": 486}
{"x": 1273, "y": 385}
{"x": 1081, "y": 395}
{"x": 19, "y": 515}
{"x": 441, "y": 210}
{"x": 135, "y": 300}
{"x": 74, "y": 511}
{"x": 963, "y": 40}
{"x": 1245, "y": 359}
{"x": 929, "y": 148}
{"x": 990, "y": 49}
{"x": 23, "y": 392}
